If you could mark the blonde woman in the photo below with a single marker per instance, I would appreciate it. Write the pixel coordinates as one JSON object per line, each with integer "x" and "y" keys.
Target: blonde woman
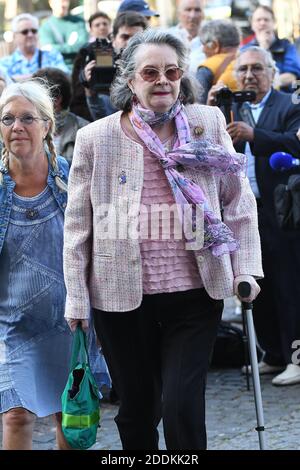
{"x": 34, "y": 337}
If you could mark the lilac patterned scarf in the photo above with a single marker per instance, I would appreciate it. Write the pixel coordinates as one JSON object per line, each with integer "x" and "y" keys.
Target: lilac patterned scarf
{"x": 201, "y": 155}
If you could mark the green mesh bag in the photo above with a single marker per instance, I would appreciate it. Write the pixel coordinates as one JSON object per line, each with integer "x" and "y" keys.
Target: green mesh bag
{"x": 80, "y": 398}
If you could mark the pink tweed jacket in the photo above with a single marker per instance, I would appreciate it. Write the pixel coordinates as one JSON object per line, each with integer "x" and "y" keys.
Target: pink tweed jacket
{"x": 107, "y": 170}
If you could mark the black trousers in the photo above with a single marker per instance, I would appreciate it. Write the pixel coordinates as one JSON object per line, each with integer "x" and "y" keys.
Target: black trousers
{"x": 276, "y": 309}
{"x": 158, "y": 356}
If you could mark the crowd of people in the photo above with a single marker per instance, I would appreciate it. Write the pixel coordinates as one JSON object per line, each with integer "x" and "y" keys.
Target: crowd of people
{"x": 107, "y": 135}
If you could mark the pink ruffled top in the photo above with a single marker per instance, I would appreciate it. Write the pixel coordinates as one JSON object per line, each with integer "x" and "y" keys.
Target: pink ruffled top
{"x": 167, "y": 265}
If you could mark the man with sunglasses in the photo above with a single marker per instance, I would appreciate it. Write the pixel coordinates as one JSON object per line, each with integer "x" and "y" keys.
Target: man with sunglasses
{"x": 263, "y": 127}
{"x": 28, "y": 58}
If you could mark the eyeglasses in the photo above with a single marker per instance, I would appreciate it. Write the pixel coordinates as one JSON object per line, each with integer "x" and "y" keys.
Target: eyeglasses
{"x": 27, "y": 120}
{"x": 149, "y": 74}
{"x": 255, "y": 69}
{"x": 28, "y": 30}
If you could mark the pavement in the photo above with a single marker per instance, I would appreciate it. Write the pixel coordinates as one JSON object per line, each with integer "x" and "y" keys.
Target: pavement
{"x": 231, "y": 418}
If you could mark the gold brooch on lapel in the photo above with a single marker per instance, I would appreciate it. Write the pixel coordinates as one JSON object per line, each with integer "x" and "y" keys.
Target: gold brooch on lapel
{"x": 122, "y": 177}
{"x": 198, "y": 131}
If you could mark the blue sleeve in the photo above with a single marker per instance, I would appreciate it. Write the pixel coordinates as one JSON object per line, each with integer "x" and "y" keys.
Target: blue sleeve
{"x": 5, "y": 64}
{"x": 57, "y": 61}
{"x": 100, "y": 106}
{"x": 63, "y": 166}
{"x": 291, "y": 61}
{"x": 205, "y": 78}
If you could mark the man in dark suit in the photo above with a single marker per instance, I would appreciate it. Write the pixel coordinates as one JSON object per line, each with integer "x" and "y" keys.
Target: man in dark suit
{"x": 268, "y": 125}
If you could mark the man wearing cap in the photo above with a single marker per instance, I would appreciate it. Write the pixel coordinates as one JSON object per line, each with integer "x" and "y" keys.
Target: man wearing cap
{"x": 190, "y": 15}
{"x": 139, "y": 6}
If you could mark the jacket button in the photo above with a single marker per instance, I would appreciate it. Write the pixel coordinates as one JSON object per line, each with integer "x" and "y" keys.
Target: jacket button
{"x": 64, "y": 205}
{"x": 200, "y": 258}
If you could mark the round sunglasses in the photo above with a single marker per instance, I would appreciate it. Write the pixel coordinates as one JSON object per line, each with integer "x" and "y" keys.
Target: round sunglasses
{"x": 150, "y": 74}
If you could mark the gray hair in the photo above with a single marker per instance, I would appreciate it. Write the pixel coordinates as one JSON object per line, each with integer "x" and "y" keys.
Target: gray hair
{"x": 37, "y": 92}
{"x": 224, "y": 31}
{"x": 120, "y": 93}
{"x": 22, "y": 17}
{"x": 267, "y": 56}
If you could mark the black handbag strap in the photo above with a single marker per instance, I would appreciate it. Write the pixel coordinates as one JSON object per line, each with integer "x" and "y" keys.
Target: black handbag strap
{"x": 40, "y": 58}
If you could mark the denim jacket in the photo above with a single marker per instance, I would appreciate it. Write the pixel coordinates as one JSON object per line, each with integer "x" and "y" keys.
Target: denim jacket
{"x": 7, "y": 188}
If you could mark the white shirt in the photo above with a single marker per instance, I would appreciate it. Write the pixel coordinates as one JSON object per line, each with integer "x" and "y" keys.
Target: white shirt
{"x": 194, "y": 45}
{"x": 256, "y": 110}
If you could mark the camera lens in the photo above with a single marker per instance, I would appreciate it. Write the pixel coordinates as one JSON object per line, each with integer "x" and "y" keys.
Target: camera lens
{"x": 223, "y": 96}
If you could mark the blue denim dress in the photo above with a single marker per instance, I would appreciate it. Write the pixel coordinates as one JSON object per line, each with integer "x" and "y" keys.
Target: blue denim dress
{"x": 35, "y": 340}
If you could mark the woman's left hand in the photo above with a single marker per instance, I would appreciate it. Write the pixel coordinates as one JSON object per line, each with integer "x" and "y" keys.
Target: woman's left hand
{"x": 74, "y": 322}
{"x": 255, "y": 289}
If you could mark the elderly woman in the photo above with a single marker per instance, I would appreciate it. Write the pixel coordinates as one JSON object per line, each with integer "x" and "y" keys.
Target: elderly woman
{"x": 34, "y": 336}
{"x": 220, "y": 39}
{"x": 157, "y": 296}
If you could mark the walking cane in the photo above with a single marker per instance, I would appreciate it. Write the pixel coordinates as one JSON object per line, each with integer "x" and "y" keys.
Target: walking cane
{"x": 246, "y": 351}
{"x": 244, "y": 289}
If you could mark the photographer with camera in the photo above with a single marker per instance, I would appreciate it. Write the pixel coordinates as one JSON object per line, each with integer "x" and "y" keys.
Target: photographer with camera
{"x": 268, "y": 125}
{"x": 101, "y": 62}
{"x": 100, "y": 28}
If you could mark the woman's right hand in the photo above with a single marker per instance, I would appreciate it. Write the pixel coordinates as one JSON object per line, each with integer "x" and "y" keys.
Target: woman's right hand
{"x": 74, "y": 322}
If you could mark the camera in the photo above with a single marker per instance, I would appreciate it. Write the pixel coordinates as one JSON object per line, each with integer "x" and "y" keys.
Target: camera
{"x": 225, "y": 97}
{"x": 104, "y": 71}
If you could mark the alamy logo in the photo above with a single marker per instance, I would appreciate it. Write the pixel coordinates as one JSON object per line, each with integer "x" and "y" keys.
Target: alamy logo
{"x": 296, "y": 354}
{"x": 151, "y": 222}
{"x": 296, "y": 93}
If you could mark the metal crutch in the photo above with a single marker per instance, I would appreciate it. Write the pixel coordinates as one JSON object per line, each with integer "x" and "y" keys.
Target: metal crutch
{"x": 244, "y": 289}
{"x": 246, "y": 351}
